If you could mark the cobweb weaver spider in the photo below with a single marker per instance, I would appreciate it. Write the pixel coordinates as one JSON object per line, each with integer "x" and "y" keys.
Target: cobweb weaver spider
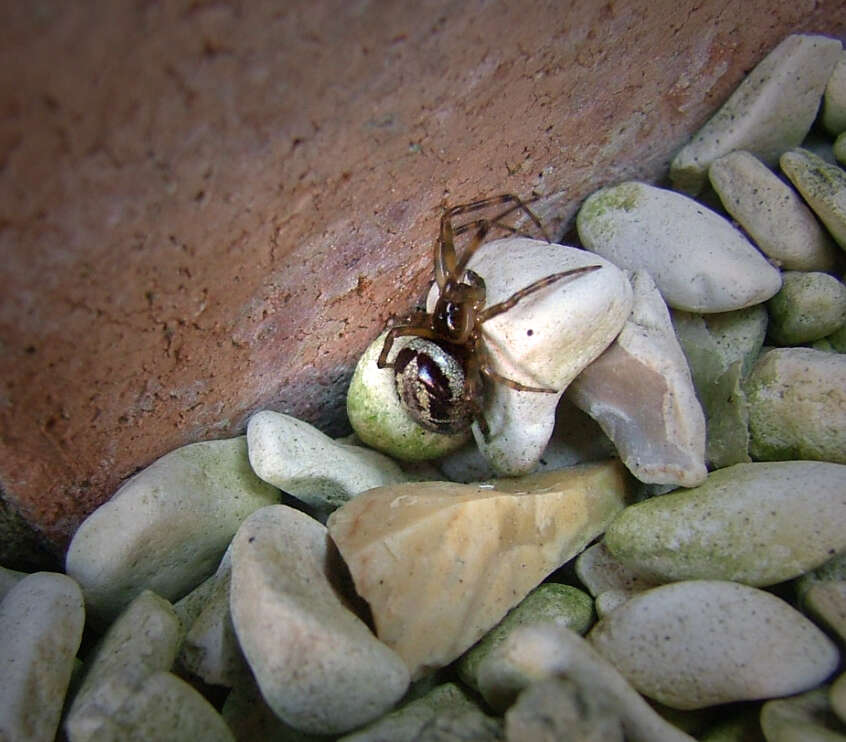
{"x": 439, "y": 374}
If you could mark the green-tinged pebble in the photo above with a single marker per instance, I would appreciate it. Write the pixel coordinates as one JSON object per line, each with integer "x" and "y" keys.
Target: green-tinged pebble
{"x": 808, "y": 307}
{"x": 804, "y": 718}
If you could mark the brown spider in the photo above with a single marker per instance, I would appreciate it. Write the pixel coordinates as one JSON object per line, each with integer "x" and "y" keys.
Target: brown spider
{"x": 439, "y": 373}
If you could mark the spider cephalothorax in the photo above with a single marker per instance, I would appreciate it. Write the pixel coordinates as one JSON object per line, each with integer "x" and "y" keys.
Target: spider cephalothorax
{"x": 439, "y": 373}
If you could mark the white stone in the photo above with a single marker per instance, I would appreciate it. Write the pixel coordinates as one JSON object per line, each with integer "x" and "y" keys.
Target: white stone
{"x": 822, "y": 185}
{"x": 641, "y": 393}
{"x": 767, "y": 114}
{"x": 698, "y": 260}
{"x": 543, "y": 341}
{"x": 167, "y": 527}
{"x": 8, "y": 579}
{"x": 41, "y": 621}
{"x": 441, "y": 563}
{"x": 772, "y": 213}
{"x": 834, "y": 101}
{"x": 300, "y": 460}
{"x": 142, "y": 641}
{"x": 609, "y": 580}
{"x": 538, "y": 652}
{"x": 317, "y": 664}
{"x": 700, "y": 643}
{"x": 759, "y": 523}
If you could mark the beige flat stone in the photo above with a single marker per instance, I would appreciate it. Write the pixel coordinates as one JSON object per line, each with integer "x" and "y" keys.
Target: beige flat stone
{"x": 441, "y": 563}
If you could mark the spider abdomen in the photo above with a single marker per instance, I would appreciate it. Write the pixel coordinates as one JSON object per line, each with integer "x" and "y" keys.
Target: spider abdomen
{"x": 431, "y": 382}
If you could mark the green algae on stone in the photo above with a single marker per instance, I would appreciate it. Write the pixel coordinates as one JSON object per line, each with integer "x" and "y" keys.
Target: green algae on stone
{"x": 758, "y": 523}
{"x": 379, "y": 418}
{"x": 808, "y": 307}
{"x": 839, "y": 149}
{"x": 822, "y": 185}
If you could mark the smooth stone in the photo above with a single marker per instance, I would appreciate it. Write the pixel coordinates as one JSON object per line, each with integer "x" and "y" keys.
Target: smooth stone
{"x": 318, "y": 665}
{"x": 609, "y": 580}
{"x": 538, "y": 652}
{"x": 797, "y": 405}
{"x": 698, "y": 260}
{"x": 833, "y": 117}
{"x": 550, "y": 601}
{"x": 826, "y": 603}
{"x": 143, "y": 640}
{"x": 837, "y": 697}
{"x": 769, "y": 112}
{"x": 8, "y": 579}
{"x": 436, "y": 581}
{"x": 804, "y": 718}
{"x": 461, "y": 725}
{"x": 721, "y": 350}
{"x": 808, "y": 307}
{"x": 41, "y": 620}
{"x": 839, "y": 149}
{"x": 210, "y": 649}
{"x": 772, "y": 213}
{"x": 545, "y": 340}
{"x": 165, "y": 707}
{"x": 758, "y": 523}
{"x": 641, "y": 393}
{"x": 167, "y": 527}
{"x": 822, "y": 185}
{"x": 379, "y": 418}
{"x": 694, "y": 644}
{"x": 837, "y": 340}
{"x": 834, "y": 570}
{"x": 300, "y": 460}
{"x": 557, "y": 709}
{"x": 188, "y": 608}
{"x": 406, "y": 723}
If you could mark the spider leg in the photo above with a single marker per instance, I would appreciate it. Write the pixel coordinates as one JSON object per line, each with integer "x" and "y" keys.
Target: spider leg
{"x": 403, "y": 331}
{"x": 485, "y": 368}
{"x": 473, "y": 394}
{"x": 504, "y": 306}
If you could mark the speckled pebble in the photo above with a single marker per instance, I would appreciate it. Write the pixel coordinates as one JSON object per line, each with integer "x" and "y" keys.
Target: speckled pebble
{"x": 822, "y": 185}
{"x": 542, "y": 651}
{"x": 641, "y": 392}
{"x": 41, "y": 621}
{"x": 772, "y": 213}
{"x": 808, "y": 307}
{"x": 318, "y": 665}
{"x": 609, "y": 580}
{"x": 550, "y": 601}
{"x": 167, "y": 527}
{"x": 698, "y": 260}
{"x": 300, "y": 460}
{"x": 769, "y": 112}
{"x": 758, "y": 523}
{"x": 797, "y": 405}
{"x": 826, "y": 602}
{"x": 8, "y": 579}
{"x": 142, "y": 641}
{"x": 833, "y": 116}
{"x": 803, "y": 718}
{"x": 701, "y": 643}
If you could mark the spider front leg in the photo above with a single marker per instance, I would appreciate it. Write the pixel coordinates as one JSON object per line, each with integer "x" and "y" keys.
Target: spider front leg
{"x": 421, "y": 331}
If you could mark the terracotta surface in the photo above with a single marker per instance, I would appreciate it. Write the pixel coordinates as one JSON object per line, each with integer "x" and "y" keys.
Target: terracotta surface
{"x": 208, "y": 208}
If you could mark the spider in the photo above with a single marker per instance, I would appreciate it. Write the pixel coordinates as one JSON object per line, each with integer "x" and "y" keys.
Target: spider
{"x": 439, "y": 374}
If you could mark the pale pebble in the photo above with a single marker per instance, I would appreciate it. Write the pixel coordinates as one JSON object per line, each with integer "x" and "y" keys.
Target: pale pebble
{"x": 698, "y": 260}
{"x": 210, "y": 649}
{"x": 700, "y": 643}
{"x": 837, "y": 697}
{"x": 436, "y": 582}
{"x": 641, "y": 392}
{"x": 803, "y": 718}
{"x": 317, "y": 664}
{"x": 839, "y": 149}
{"x": 142, "y": 641}
{"x": 720, "y": 350}
{"x": 460, "y": 725}
{"x": 8, "y": 579}
{"x": 609, "y": 580}
{"x": 380, "y": 419}
{"x": 772, "y": 213}
{"x": 557, "y": 709}
{"x": 41, "y": 620}
{"x": 165, "y": 707}
{"x": 797, "y": 405}
{"x": 822, "y": 185}
{"x": 297, "y": 458}
{"x": 758, "y": 523}
{"x": 167, "y": 527}
{"x": 769, "y": 112}
{"x": 826, "y": 602}
{"x": 550, "y": 601}
{"x": 809, "y": 306}
{"x": 833, "y": 116}
{"x": 542, "y": 651}
{"x": 834, "y": 570}
{"x": 407, "y": 722}
{"x": 545, "y": 340}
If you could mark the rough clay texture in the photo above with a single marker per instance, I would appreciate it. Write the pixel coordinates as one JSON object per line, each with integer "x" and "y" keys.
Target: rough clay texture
{"x": 208, "y": 209}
